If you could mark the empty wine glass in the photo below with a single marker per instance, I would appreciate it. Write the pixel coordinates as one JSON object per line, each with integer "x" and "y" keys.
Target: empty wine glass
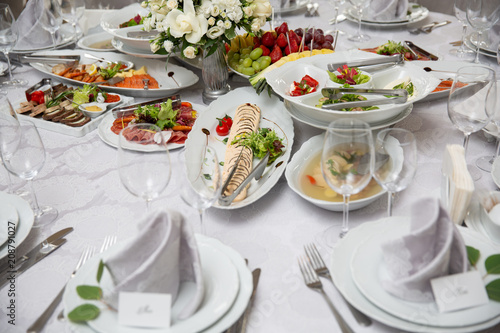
{"x": 8, "y": 39}
{"x": 9, "y": 133}
{"x": 277, "y": 6}
{"x": 51, "y": 18}
{"x": 336, "y": 4}
{"x": 460, "y": 9}
{"x": 143, "y": 161}
{"x": 72, "y": 11}
{"x": 359, "y": 5}
{"x": 347, "y": 161}
{"x": 470, "y": 103}
{"x": 395, "y": 161}
{"x": 201, "y": 179}
{"x": 482, "y": 15}
{"x": 25, "y": 157}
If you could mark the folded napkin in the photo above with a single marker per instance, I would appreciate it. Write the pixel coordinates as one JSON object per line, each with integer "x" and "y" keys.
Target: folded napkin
{"x": 387, "y": 10}
{"x": 31, "y": 33}
{"x": 433, "y": 248}
{"x": 162, "y": 255}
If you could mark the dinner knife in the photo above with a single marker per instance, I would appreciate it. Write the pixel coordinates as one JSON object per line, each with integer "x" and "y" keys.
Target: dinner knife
{"x": 387, "y": 60}
{"x": 246, "y": 314}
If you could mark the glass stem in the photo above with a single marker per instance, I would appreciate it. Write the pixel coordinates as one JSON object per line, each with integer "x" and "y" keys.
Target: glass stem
{"x": 203, "y": 228}
{"x": 148, "y": 205}
{"x": 336, "y": 18}
{"x": 53, "y": 36}
{"x": 36, "y": 208}
{"x": 345, "y": 217}
{"x": 390, "y": 200}
{"x": 479, "y": 37}
{"x": 8, "y": 65}
{"x": 360, "y": 12}
{"x": 497, "y": 149}
{"x": 466, "y": 143}
{"x": 464, "y": 32}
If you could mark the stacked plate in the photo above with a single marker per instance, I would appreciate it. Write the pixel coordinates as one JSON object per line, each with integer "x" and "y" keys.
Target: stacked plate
{"x": 416, "y": 13}
{"x": 488, "y": 48}
{"x": 475, "y": 220}
{"x": 16, "y": 221}
{"x": 357, "y": 265}
{"x": 228, "y": 286}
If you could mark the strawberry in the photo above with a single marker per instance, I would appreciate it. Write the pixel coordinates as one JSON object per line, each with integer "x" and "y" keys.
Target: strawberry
{"x": 256, "y": 42}
{"x": 275, "y": 54}
{"x": 281, "y": 40}
{"x": 227, "y": 47}
{"x": 293, "y": 35}
{"x": 265, "y": 50}
{"x": 268, "y": 39}
{"x": 282, "y": 29}
{"x": 293, "y": 46}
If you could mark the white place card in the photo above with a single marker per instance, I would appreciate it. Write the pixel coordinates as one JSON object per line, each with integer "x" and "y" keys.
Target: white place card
{"x": 459, "y": 291}
{"x": 144, "y": 309}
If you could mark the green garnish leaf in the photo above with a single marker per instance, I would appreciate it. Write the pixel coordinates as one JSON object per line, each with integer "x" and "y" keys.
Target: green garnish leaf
{"x": 492, "y": 264}
{"x": 222, "y": 163}
{"x": 84, "y": 312}
{"x": 261, "y": 142}
{"x": 89, "y": 292}
{"x": 207, "y": 176}
{"x": 100, "y": 270}
{"x": 225, "y": 141}
{"x": 493, "y": 290}
{"x": 473, "y": 255}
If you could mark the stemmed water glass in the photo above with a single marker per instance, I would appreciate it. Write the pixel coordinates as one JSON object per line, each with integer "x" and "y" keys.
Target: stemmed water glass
{"x": 347, "y": 161}
{"x": 51, "y": 18}
{"x": 72, "y": 11}
{"x": 336, "y": 4}
{"x": 201, "y": 179}
{"x": 460, "y": 9}
{"x": 143, "y": 161}
{"x": 359, "y": 5}
{"x": 277, "y": 7}
{"x": 395, "y": 161}
{"x": 24, "y": 157}
{"x": 482, "y": 15}
{"x": 8, "y": 39}
{"x": 9, "y": 130}
{"x": 471, "y": 103}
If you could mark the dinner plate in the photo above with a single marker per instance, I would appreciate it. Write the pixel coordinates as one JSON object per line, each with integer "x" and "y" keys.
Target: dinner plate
{"x": 491, "y": 42}
{"x": 471, "y": 45}
{"x": 66, "y": 37}
{"x": 291, "y": 8}
{"x": 368, "y": 268}
{"x": 339, "y": 265}
{"x": 156, "y": 68}
{"x": 109, "y": 137}
{"x": 221, "y": 281}
{"x": 473, "y": 220}
{"x": 124, "y": 48}
{"x": 273, "y": 116}
{"x": 26, "y": 219}
{"x": 99, "y": 42}
{"x": 9, "y": 219}
{"x": 417, "y": 13}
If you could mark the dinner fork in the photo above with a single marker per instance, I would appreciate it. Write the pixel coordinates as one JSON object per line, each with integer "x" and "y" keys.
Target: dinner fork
{"x": 311, "y": 280}
{"x": 320, "y": 268}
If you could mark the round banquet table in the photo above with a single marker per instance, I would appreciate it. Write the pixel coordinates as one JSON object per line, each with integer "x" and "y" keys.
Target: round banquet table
{"x": 80, "y": 179}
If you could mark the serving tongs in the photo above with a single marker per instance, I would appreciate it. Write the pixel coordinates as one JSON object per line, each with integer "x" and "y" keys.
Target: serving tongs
{"x": 256, "y": 173}
{"x": 123, "y": 111}
{"x": 392, "y": 96}
{"x": 370, "y": 63}
{"x": 420, "y": 50}
{"x": 70, "y": 60}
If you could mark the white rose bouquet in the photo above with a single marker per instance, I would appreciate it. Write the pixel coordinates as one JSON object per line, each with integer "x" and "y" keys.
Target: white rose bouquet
{"x": 187, "y": 25}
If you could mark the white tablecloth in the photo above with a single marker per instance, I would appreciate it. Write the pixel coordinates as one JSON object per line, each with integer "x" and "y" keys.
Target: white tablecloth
{"x": 80, "y": 179}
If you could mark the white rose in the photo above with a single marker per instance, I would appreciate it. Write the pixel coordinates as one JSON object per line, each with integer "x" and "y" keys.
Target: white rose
{"x": 159, "y": 17}
{"x": 155, "y": 8}
{"x": 256, "y": 25}
{"x": 148, "y": 23}
{"x": 227, "y": 24}
{"x": 214, "y": 32}
{"x": 248, "y": 11}
{"x": 168, "y": 45}
{"x": 172, "y": 4}
{"x": 154, "y": 47}
{"x": 215, "y": 10}
{"x": 187, "y": 23}
{"x": 161, "y": 26}
{"x": 220, "y": 24}
{"x": 144, "y": 4}
{"x": 206, "y": 8}
{"x": 189, "y": 52}
{"x": 262, "y": 8}
{"x": 211, "y": 21}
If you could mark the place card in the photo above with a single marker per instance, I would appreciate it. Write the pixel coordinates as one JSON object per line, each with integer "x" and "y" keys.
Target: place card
{"x": 144, "y": 309}
{"x": 459, "y": 291}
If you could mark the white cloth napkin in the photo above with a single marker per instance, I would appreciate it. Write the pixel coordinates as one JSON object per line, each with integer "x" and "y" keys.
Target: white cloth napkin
{"x": 162, "y": 255}
{"x": 387, "y": 10}
{"x": 433, "y": 248}
{"x": 31, "y": 33}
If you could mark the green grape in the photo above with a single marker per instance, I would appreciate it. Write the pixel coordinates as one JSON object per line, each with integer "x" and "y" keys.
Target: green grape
{"x": 245, "y": 50}
{"x": 236, "y": 56}
{"x": 256, "y": 53}
{"x": 248, "y": 71}
{"x": 247, "y": 62}
{"x": 256, "y": 66}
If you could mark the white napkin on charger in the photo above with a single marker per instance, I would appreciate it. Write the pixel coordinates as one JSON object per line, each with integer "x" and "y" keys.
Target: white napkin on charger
{"x": 433, "y": 248}
{"x": 32, "y": 35}
{"x": 161, "y": 256}
{"x": 387, "y": 10}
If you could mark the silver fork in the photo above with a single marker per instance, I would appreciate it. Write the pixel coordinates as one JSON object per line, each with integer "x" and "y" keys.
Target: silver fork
{"x": 311, "y": 279}
{"x": 319, "y": 266}
{"x": 42, "y": 320}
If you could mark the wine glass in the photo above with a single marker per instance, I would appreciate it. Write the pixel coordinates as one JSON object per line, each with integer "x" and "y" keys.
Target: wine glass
{"x": 72, "y": 11}
{"x": 359, "y": 5}
{"x": 347, "y": 161}
{"x": 395, "y": 161}
{"x": 336, "y": 4}
{"x": 9, "y": 133}
{"x": 460, "y": 9}
{"x": 277, "y": 6}
{"x": 24, "y": 157}
{"x": 471, "y": 103}
{"x": 143, "y": 161}
{"x": 201, "y": 179}
{"x": 51, "y": 18}
{"x": 482, "y": 15}
{"x": 8, "y": 39}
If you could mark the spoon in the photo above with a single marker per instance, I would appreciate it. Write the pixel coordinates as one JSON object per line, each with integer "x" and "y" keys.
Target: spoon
{"x": 428, "y": 69}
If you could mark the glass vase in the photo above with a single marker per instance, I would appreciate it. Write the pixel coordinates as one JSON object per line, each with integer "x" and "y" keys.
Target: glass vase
{"x": 215, "y": 76}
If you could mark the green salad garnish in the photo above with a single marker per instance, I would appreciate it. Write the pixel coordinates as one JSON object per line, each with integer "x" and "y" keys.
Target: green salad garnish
{"x": 162, "y": 115}
{"x": 261, "y": 142}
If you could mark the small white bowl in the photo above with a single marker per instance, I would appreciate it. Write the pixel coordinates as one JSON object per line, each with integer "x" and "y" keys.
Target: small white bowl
{"x": 296, "y": 166}
{"x": 86, "y": 109}
{"x": 491, "y": 219}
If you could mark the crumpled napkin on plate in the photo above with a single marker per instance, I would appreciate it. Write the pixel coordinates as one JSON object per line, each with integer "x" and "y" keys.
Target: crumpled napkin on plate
{"x": 31, "y": 33}
{"x": 387, "y": 10}
{"x": 161, "y": 256}
{"x": 433, "y": 248}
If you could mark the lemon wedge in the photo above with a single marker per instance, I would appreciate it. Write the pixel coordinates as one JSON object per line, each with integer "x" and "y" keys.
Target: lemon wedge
{"x": 92, "y": 69}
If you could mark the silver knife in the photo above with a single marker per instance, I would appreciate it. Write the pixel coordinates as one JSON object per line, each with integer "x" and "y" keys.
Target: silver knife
{"x": 246, "y": 314}
{"x": 388, "y": 60}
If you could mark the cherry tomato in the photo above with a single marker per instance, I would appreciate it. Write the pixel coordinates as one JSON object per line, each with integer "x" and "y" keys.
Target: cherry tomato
{"x": 38, "y": 96}
{"x": 228, "y": 120}
{"x": 222, "y": 129}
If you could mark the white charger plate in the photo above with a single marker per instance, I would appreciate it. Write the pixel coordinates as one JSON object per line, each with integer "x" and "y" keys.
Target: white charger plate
{"x": 417, "y": 14}
{"x": 221, "y": 288}
{"x": 156, "y": 68}
{"x": 273, "y": 116}
{"x": 368, "y": 267}
{"x": 9, "y": 218}
{"x": 26, "y": 220}
{"x": 109, "y": 137}
{"x": 87, "y": 42}
{"x": 473, "y": 221}
{"x": 339, "y": 266}
{"x": 66, "y": 37}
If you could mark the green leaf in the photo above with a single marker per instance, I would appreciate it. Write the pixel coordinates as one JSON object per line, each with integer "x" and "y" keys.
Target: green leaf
{"x": 473, "y": 255}
{"x": 100, "y": 270}
{"x": 492, "y": 264}
{"x": 207, "y": 176}
{"x": 225, "y": 140}
{"x": 89, "y": 292}
{"x": 84, "y": 312}
{"x": 493, "y": 290}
